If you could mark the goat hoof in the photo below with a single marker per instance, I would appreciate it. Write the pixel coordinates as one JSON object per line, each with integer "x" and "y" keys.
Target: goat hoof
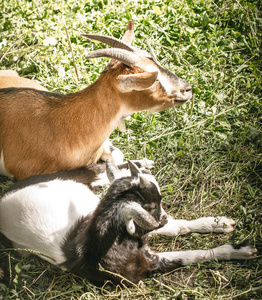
{"x": 148, "y": 163}
{"x": 245, "y": 252}
{"x": 117, "y": 156}
{"x": 223, "y": 225}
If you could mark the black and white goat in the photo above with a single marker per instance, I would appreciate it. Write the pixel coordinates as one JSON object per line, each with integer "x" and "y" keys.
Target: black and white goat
{"x": 61, "y": 220}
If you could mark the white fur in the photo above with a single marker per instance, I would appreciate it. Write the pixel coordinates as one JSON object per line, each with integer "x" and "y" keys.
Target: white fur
{"x": 44, "y": 213}
{"x": 168, "y": 85}
{"x": 101, "y": 180}
{"x": 38, "y": 217}
{"x": 201, "y": 225}
{"x": 130, "y": 225}
{"x": 149, "y": 178}
{"x": 109, "y": 151}
{"x": 225, "y": 252}
{"x": 152, "y": 179}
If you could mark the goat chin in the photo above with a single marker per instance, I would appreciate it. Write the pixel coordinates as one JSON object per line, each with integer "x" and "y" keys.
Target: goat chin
{"x": 57, "y": 217}
{"x": 43, "y": 132}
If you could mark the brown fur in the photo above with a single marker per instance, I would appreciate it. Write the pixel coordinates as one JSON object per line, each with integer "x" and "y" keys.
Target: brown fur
{"x": 43, "y": 132}
{"x": 9, "y": 78}
{"x": 53, "y": 132}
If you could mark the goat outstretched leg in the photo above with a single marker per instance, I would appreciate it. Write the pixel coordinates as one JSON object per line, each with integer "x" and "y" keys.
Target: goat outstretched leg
{"x": 202, "y": 225}
{"x": 168, "y": 261}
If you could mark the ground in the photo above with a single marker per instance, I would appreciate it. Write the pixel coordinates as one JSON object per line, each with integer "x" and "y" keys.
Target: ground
{"x": 207, "y": 153}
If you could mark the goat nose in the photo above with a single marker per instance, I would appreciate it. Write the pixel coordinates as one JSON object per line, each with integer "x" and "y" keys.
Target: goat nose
{"x": 186, "y": 89}
{"x": 163, "y": 220}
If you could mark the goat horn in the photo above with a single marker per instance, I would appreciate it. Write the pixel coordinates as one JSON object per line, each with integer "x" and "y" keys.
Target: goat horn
{"x": 110, "y": 41}
{"x": 126, "y": 57}
{"x": 144, "y": 183}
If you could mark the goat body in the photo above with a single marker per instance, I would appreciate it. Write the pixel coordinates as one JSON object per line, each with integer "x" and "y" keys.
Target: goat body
{"x": 62, "y": 221}
{"x": 9, "y": 78}
{"x": 43, "y": 132}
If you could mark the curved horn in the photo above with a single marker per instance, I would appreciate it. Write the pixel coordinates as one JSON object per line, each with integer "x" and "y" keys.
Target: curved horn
{"x": 110, "y": 41}
{"x": 126, "y": 57}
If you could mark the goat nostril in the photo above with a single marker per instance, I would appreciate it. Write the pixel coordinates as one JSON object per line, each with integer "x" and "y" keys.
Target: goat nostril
{"x": 187, "y": 89}
{"x": 164, "y": 218}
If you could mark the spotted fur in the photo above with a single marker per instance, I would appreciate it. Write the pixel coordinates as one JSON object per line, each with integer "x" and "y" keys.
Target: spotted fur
{"x": 62, "y": 221}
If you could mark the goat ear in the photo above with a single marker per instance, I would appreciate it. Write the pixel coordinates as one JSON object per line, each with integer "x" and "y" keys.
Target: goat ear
{"x": 135, "y": 214}
{"x": 144, "y": 220}
{"x": 130, "y": 226}
{"x": 112, "y": 170}
{"x": 136, "y": 82}
{"x": 134, "y": 170}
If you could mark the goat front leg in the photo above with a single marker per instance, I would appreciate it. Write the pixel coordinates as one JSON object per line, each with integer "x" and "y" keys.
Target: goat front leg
{"x": 168, "y": 261}
{"x": 115, "y": 171}
{"x": 141, "y": 163}
{"x": 117, "y": 156}
{"x": 111, "y": 152}
{"x": 202, "y": 225}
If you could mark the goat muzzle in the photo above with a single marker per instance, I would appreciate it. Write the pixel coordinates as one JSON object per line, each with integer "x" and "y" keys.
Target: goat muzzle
{"x": 163, "y": 220}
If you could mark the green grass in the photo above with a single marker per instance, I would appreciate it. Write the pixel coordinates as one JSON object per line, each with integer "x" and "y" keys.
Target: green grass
{"x": 207, "y": 153}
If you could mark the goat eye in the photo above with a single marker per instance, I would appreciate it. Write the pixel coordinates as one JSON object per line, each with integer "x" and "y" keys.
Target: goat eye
{"x": 151, "y": 208}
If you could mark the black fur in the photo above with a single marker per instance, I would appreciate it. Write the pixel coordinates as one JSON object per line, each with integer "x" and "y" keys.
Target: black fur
{"x": 13, "y": 92}
{"x": 240, "y": 245}
{"x": 85, "y": 175}
{"x": 4, "y": 259}
{"x": 101, "y": 243}
{"x": 166, "y": 265}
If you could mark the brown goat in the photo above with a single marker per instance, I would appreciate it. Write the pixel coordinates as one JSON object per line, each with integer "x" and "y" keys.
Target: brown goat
{"x": 9, "y": 78}
{"x": 43, "y": 132}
